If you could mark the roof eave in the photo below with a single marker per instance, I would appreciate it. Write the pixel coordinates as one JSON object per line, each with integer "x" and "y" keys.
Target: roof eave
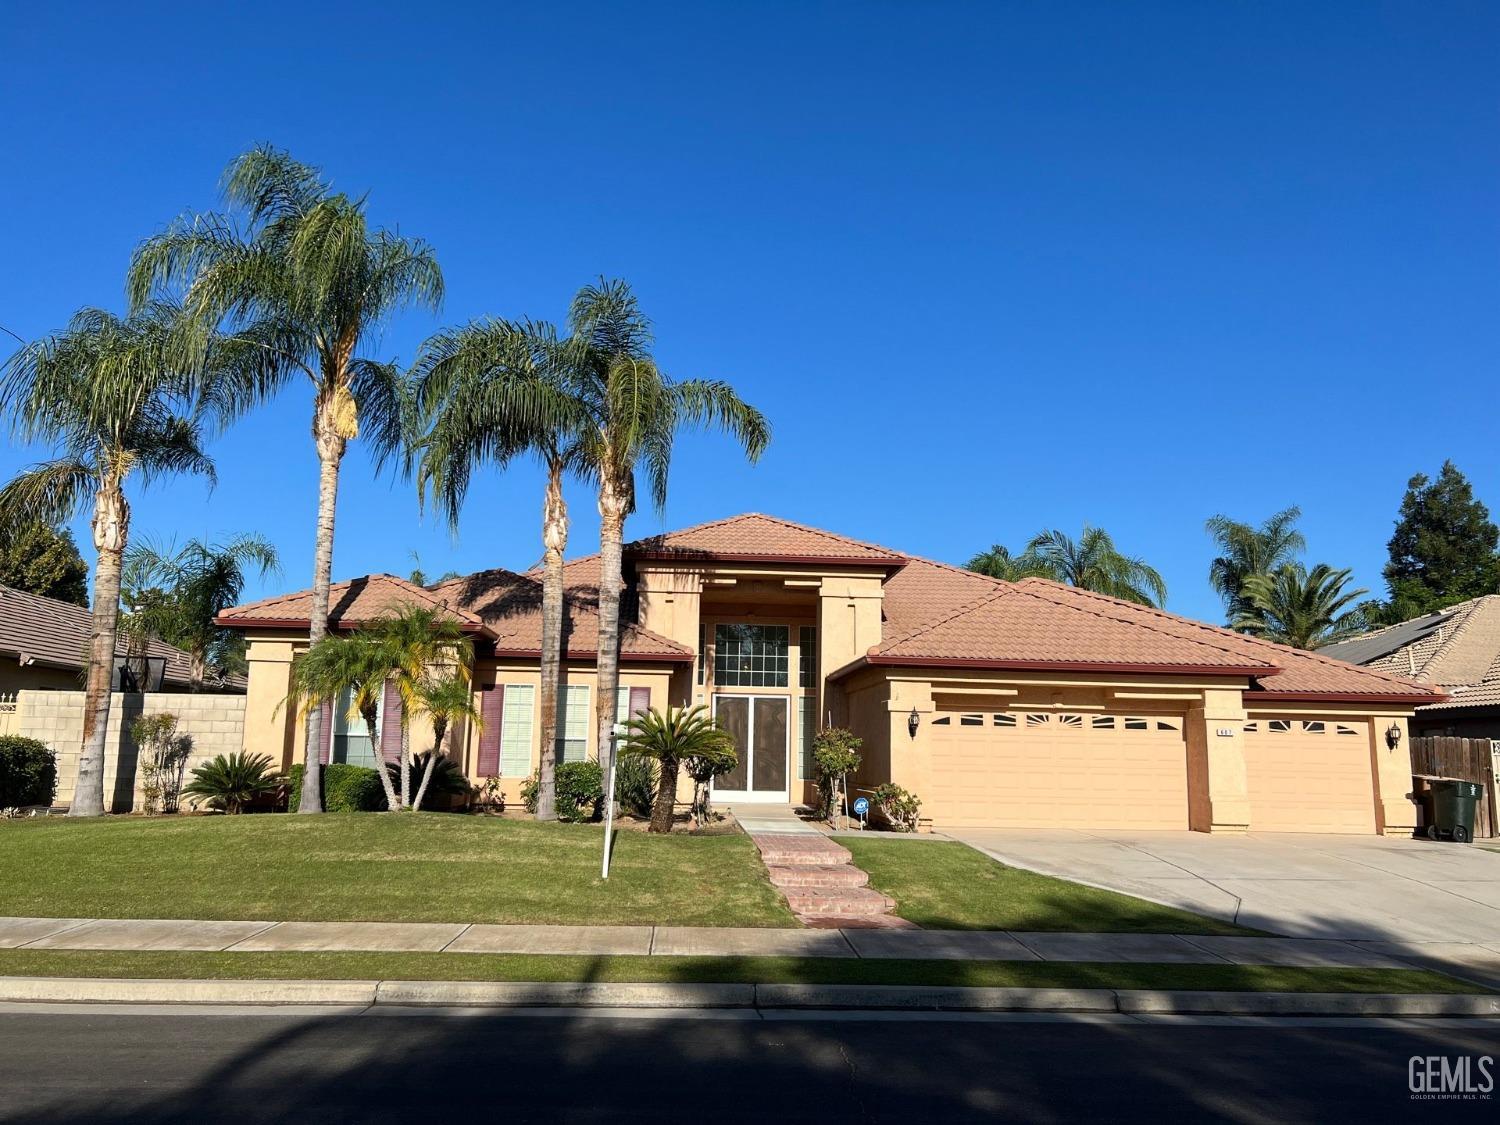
{"x": 1413, "y": 700}
{"x": 625, "y": 657}
{"x": 1133, "y": 668}
{"x": 303, "y": 624}
{"x": 687, "y": 555}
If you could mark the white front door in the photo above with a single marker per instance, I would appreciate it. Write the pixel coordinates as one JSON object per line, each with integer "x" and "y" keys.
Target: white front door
{"x": 761, "y": 731}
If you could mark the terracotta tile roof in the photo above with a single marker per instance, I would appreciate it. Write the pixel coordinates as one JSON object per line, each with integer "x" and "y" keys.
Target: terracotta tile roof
{"x": 510, "y": 605}
{"x": 754, "y": 537}
{"x": 56, "y": 634}
{"x": 349, "y": 603}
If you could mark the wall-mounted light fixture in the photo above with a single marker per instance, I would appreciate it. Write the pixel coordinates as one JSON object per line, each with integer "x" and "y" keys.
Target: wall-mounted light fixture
{"x": 913, "y": 721}
{"x": 1393, "y": 735}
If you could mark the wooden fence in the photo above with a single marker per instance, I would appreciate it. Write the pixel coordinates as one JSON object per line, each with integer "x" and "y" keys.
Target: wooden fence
{"x": 1470, "y": 759}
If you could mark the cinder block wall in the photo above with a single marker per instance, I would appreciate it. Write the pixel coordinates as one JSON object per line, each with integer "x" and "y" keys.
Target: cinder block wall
{"x": 215, "y": 723}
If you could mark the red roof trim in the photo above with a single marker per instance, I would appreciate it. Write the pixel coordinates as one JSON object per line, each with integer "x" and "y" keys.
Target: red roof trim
{"x": 695, "y": 554}
{"x": 625, "y": 657}
{"x": 1255, "y": 698}
{"x": 304, "y": 623}
{"x": 1259, "y": 670}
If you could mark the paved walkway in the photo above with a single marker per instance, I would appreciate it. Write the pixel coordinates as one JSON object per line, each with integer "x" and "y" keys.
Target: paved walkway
{"x": 677, "y": 941}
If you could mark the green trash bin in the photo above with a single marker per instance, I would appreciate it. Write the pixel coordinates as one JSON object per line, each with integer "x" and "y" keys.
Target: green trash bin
{"x": 1453, "y": 805}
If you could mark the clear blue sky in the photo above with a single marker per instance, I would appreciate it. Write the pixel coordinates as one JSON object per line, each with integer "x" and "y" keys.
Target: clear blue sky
{"x": 989, "y": 268}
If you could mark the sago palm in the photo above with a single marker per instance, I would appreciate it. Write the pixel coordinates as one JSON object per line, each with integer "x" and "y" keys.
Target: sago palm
{"x": 1092, "y": 562}
{"x": 634, "y": 412}
{"x": 1302, "y": 608}
{"x": 116, "y": 399}
{"x": 198, "y": 582}
{"x": 1245, "y": 551}
{"x": 488, "y": 392}
{"x": 669, "y": 738}
{"x": 301, "y": 280}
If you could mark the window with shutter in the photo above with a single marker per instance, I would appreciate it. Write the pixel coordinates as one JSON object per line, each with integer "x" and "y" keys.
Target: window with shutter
{"x": 516, "y": 730}
{"x": 491, "y": 710}
{"x": 574, "y": 744}
{"x": 630, "y": 702}
{"x": 390, "y": 723}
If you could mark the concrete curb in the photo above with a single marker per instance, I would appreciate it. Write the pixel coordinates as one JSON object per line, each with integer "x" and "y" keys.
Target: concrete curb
{"x": 767, "y": 997}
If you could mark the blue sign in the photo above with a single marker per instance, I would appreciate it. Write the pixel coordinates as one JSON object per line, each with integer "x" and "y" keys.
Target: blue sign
{"x": 861, "y": 806}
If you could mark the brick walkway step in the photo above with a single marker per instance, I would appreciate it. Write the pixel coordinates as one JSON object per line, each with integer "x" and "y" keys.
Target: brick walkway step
{"x": 847, "y": 901}
{"x": 799, "y": 851}
{"x": 817, "y": 875}
{"x": 855, "y": 922}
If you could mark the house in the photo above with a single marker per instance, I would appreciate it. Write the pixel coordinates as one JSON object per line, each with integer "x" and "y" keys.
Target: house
{"x": 1456, "y": 650}
{"x": 1011, "y": 704}
{"x": 44, "y": 644}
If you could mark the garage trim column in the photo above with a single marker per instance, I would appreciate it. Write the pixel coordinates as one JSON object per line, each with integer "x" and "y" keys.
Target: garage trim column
{"x": 1218, "y": 784}
{"x": 911, "y": 757}
{"x": 1395, "y": 813}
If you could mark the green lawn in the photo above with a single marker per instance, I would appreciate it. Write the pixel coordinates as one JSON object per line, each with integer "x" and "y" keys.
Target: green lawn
{"x": 429, "y": 867}
{"x": 947, "y": 886}
{"x": 756, "y": 970}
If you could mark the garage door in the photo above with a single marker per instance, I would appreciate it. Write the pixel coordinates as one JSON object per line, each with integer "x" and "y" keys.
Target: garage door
{"x": 1309, "y": 775}
{"x": 1051, "y": 770}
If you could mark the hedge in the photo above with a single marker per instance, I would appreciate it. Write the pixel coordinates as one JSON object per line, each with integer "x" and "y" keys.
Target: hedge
{"x": 28, "y": 772}
{"x": 346, "y": 788}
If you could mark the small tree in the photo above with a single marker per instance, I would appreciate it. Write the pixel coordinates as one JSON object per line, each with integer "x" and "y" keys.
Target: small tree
{"x": 163, "y": 754}
{"x": 835, "y": 755}
{"x": 702, "y": 769}
{"x": 669, "y": 738}
{"x": 446, "y": 700}
{"x": 339, "y": 663}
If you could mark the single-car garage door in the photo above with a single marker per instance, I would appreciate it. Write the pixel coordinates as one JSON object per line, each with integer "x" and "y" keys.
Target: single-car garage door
{"x": 1048, "y": 769}
{"x": 1309, "y": 775}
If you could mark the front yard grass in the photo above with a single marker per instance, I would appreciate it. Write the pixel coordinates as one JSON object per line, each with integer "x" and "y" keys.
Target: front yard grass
{"x": 753, "y": 970}
{"x": 412, "y": 867}
{"x": 950, "y": 886}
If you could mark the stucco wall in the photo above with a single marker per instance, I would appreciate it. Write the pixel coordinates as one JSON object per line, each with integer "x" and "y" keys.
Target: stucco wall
{"x": 215, "y": 723}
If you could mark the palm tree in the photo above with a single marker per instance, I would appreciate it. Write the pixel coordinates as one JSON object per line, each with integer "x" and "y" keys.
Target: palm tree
{"x": 1092, "y": 562}
{"x": 494, "y": 390}
{"x": 447, "y": 700}
{"x": 197, "y": 583}
{"x": 303, "y": 283}
{"x": 339, "y": 663}
{"x": 1302, "y": 608}
{"x": 998, "y": 562}
{"x": 669, "y": 738}
{"x": 115, "y": 398}
{"x": 634, "y": 411}
{"x": 1245, "y": 551}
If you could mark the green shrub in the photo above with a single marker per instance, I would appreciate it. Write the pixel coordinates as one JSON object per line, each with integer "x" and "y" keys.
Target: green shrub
{"x": 230, "y": 782}
{"x": 635, "y": 784}
{"x": 530, "y": 788}
{"x": 899, "y": 808}
{"x": 835, "y": 756}
{"x": 28, "y": 772}
{"x": 346, "y": 788}
{"x": 580, "y": 790}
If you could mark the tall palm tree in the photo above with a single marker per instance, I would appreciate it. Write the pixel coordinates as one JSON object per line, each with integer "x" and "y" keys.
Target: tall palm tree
{"x": 671, "y": 737}
{"x": 446, "y": 699}
{"x": 998, "y": 562}
{"x": 1245, "y": 551}
{"x": 493, "y": 390}
{"x": 1092, "y": 562}
{"x": 1302, "y": 608}
{"x": 198, "y": 583}
{"x": 634, "y": 413}
{"x": 115, "y": 398}
{"x": 296, "y": 273}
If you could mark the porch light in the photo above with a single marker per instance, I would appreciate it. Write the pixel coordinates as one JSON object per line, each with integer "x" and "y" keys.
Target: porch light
{"x": 1393, "y": 735}
{"x": 913, "y": 721}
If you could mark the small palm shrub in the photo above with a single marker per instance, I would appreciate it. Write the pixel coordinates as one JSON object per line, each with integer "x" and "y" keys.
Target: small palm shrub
{"x": 346, "y": 788}
{"x": 446, "y": 776}
{"x": 229, "y": 783}
{"x": 28, "y": 772}
{"x": 670, "y": 738}
{"x": 899, "y": 807}
{"x": 635, "y": 784}
{"x": 835, "y": 756}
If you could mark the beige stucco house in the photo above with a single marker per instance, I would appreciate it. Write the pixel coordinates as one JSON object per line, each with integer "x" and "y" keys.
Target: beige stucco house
{"x": 1012, "y": 704}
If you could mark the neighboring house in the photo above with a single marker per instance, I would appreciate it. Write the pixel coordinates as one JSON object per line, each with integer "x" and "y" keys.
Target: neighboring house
{"x": 44, "y": 643}
{"x": 1456, "y": 650}
{"x": 1024, "y": 704}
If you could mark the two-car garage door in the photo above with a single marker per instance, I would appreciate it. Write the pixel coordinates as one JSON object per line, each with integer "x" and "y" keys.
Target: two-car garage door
{"x": 1045, "y": 769}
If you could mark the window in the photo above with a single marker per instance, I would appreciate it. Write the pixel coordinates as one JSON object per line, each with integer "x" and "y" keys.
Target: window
{"x": 971, "y": 720}
{"x": 351, "y": 738}
{"x": 1004, "y": 720}
{"x": 573, "y": 702}
{"x": 1137, "y": 724}
{"x": 1279, "y": 726}
{"x": 1104, "y": 722}
{"x": 750, "y": 655}
{"x": 702, "y": 647}
{"x": 1036, "y": 720}
{"x": 807, "y": 725}
{"x": 1340, "y": 728}
{"x": 1166, "y": 724}
{"x": 1314, "y": 728}
{"x": 516, "y": 718}
{"x": 946, "y": 720}
{"x": 1252, "y": 728}
{"x": 630, "y": 702}
{"x": 1071, "y": 720}
{"x": 807, "y": 657}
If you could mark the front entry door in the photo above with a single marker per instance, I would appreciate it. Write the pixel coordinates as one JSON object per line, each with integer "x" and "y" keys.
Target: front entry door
{"x": 758, "y": 724}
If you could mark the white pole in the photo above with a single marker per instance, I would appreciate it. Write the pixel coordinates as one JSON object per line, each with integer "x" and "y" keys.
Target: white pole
{"x": 609, "y": 796}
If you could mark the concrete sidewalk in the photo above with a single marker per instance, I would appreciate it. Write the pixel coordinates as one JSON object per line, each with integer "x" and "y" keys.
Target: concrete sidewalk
{"x": 126, "y": 934}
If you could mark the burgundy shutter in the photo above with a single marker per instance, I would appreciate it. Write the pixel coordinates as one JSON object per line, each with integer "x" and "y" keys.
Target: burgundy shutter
{"x": 326, "y": 735}
{"x": 640, "y": 700}
{"x": 390, "y": 723}
{"x": 492, "y": 711}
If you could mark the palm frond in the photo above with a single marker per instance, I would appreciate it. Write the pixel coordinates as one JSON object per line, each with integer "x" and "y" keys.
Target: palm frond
{"x": 52, "y": 492}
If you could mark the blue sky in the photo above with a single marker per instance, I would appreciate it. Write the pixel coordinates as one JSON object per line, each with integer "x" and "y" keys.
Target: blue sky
{"x": 989, "y": 268}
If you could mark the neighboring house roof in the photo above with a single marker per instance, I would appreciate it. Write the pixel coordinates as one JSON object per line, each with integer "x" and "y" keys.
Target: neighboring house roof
{"x": 754, "y": 537}
{"x": 1456, "y": 649}
{"x": 39, "y": 630}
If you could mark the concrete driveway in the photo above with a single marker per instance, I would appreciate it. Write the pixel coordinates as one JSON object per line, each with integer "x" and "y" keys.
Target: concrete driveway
{"x": 1369, "y": 888}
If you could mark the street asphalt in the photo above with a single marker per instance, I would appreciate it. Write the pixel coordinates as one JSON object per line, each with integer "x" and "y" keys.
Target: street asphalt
{"x": 95, "y": 1064}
